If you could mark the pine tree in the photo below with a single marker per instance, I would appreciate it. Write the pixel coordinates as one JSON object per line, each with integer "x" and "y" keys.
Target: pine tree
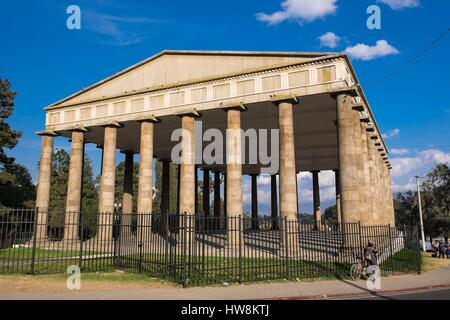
{"x": 8, "y": 137}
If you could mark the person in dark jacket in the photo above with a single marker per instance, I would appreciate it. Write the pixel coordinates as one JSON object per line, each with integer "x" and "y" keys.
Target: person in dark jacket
{"x": 442, "y": 250}
{"x": 370, "y": 254}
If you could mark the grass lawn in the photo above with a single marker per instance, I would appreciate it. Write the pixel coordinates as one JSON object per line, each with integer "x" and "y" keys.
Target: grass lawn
{"x": 429, "y": 263}
{"x": 404, "y": 261}
{"x": 27, "y": 253}
{"x": 213, "y": 270}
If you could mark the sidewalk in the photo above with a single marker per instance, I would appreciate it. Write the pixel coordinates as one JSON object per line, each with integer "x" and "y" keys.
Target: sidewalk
{"x": 436, "y": 278}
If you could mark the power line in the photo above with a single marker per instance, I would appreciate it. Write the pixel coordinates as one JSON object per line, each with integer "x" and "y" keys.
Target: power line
{"x": 413, "y": 59}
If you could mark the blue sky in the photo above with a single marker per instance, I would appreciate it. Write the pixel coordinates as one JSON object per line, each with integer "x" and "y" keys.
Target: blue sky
{"x": 45, "y": 61}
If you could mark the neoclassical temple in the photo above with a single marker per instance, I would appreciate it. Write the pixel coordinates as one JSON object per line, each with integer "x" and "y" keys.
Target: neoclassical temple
{"x": 315, "y": 100}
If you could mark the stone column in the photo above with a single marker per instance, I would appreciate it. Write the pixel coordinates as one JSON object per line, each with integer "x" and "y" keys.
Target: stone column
{"x": 127, "y": 198}
{"x": 145, "y": 184}
{"x": 297, "y": 192}
{"x": 348, "y": 173}
{"x": 363, "y": 170}
{"x": 217, "y": 194}
{"x": 288, "y": 181}
{"x": 165, "y": 187}
{"x": 384, "y": 188}
{"x": 274, "y": 201}
{"x": 188, "y": 193}
{"x": 374, "y": 181}
{"x": 75, "y": 181}
{"x": 255, "y": 224}
{"x": 187, "y": 169}
{"x": 225, "y": 195}
{"x": 206, "y": 189}
{"x": 369, "y": 178}
{"x": 316, "y": 198}
{"x": 288, "y": 177}
{"x": 338, "y": 196}
{"x": 196, "y": 189}
{"x": 43, "y": 187}
{"x": 234, "y": 176}
{"x": 391, "y": 213}
{"x": 107, "y": 183}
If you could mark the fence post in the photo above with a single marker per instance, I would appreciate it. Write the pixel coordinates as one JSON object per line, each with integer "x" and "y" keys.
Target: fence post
{"x": 360, "y": 250}
{"x": 33, "y": 253}
{"x": 184, "y": 249}
{"x": 141, "y": 235}
{"x": 118, "y": 243}
{"x": 391, "y": 249}
{"x": 81, "y": 240}
{"x": 166, "y": 244}
{"x": 285, "y": 237}
{"x": 240, "y": 236}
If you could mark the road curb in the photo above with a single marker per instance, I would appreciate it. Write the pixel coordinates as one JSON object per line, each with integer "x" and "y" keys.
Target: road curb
{"x": 363, "y": 294}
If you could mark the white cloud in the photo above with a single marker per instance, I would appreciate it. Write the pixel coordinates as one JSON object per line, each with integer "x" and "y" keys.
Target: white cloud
{"x": 365, "y": 52}
{"x": 403, "y": 187}
{"x": 400, "y": 4}
{"x": 329, "y": 40}
{"x": 399, "y": 151}
{"x": 391, "y": 134}
{"x": 299, "y": 10}
{"x": 423, "y": 159}
{"x": 119, "y": 31}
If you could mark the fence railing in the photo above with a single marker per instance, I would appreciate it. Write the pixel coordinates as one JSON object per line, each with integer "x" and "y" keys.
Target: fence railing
{"x": 196, "y": 250}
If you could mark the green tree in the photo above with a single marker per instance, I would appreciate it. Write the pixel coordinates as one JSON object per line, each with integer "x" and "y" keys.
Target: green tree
{"x": 58, "y": 192}
{"x": 19, "y": 191}
{"x": 436, "y": 194}
{"x": 173, "y": 198}
{"x": 330, "y": 213}
{"x": 9, "y": 138}
{"x": 435, "y": 204}
{"x": 120, "y": 173}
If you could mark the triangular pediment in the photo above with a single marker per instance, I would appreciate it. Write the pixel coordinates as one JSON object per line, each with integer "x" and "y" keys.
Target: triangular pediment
{"x": 176, "y": 67}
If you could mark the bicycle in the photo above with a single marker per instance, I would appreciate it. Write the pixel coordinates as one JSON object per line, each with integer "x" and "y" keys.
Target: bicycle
{"x": 358, "y": 269}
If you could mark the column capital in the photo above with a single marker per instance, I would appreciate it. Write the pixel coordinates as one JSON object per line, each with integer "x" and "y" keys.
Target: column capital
{"x": 279, "y": 98}
{"x": 150, "y": 118}
{"x": 190, "y": 113}
{"x": 47, "y": 133}
{"x": 78, "y": 129}
{"x": 113, "y": 124}
{"x": 237, "y": 105}
{"x": 358, "y": 107}
{"x": 351, "y": 91}
{"x": 364, "y": 119}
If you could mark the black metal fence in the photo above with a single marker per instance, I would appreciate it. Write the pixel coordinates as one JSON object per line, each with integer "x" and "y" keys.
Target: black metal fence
{"x": 197, "y": 250}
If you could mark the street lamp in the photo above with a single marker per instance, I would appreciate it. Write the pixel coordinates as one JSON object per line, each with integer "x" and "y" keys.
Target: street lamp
{"x": 420, "y": 212}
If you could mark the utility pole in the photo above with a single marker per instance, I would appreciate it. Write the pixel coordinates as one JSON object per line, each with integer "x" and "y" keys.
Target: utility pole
{"x": 420, "y": 212}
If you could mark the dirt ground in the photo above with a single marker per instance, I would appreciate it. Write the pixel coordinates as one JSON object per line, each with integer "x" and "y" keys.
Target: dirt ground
{"x": 92, "y": 281}
{"x": 429, "y": 263}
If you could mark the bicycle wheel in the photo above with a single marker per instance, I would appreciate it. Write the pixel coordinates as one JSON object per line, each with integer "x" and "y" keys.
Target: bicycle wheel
{"x": 355, "y": 271}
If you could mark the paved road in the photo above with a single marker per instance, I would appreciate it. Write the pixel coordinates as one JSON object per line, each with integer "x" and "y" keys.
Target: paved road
{"x": 442, "y": 294}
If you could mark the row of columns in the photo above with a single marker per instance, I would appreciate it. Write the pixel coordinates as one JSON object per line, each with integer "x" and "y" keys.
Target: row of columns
{"x": 362, "y": 172}
{"x": 365, "y": 192}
